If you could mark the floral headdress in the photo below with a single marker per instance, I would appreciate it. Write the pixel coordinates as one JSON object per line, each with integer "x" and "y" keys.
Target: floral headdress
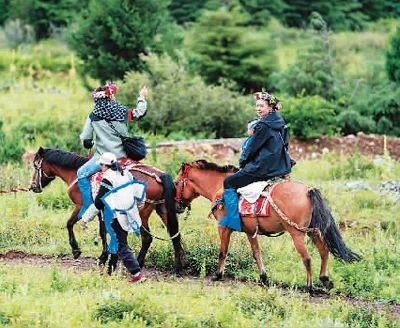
{"x": 107, "y": 91}
{"x": 265, "y": 96}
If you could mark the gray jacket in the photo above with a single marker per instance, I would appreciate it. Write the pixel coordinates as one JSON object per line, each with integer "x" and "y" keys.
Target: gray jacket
{"x": 106, "y": 139}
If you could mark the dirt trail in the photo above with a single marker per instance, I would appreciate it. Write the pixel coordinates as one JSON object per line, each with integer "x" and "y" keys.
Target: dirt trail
{"x": 89, "y": 263}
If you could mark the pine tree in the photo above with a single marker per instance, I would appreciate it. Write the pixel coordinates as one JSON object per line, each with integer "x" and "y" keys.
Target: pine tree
{"x": 224, "y": 49}
{"x": 111, "y": 35}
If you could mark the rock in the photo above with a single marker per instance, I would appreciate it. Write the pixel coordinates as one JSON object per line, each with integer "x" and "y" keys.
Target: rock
{"x": 357, "y": 185}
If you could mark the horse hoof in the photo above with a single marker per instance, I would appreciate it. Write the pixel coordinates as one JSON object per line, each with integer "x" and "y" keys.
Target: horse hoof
{"x": 263, "y": 280}
{"x": 310, "y": 290}
{"x": 328, "y": 284}
{"x": 217, "y": 277}
{"x": 177, "y": 272}
{"x": 76, "y": 253}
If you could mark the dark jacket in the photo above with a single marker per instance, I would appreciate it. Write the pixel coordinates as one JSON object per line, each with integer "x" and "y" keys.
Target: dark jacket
{"x": 265, "y": 156}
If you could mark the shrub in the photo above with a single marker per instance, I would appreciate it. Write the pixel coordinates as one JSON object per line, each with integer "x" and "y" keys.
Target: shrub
{"x": 181, "y": 102}
{"x": 11, "y": 146}
{"x": 309, "y": 116}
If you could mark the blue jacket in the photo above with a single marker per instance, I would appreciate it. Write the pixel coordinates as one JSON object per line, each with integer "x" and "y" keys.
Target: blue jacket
{"x": 265, "y": 156}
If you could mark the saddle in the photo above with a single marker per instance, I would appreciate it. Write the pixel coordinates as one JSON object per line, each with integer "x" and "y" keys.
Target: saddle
{"x": 255, "y": 204}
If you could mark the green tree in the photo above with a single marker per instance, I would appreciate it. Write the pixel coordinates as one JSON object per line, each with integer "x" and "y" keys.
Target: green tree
{"x": 393, "y": 58}
{"x": 222, "y": 48}
{"x": 184, "y": 11}
{"x": 4, "y": 8}
{"x": 111, "y": 35}
{"x": 261, "y": 10}
{"x": 339, "y": 14}
{"x": 45, "y": 15}
{"x": 312, "y": 73}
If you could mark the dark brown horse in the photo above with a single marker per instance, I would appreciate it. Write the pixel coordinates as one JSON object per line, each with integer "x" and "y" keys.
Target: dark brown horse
{"x": 160, "y": 193}
{"x": 294, "y": 208}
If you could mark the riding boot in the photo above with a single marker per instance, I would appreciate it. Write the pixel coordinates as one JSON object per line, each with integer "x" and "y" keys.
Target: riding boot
{"x": 86, "y": 192}
{"x": 232, "y": 218}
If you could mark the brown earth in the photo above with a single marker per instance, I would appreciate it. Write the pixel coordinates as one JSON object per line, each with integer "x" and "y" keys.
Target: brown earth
{"x": 89, "y": 263}
{"x": 227, "y": 149}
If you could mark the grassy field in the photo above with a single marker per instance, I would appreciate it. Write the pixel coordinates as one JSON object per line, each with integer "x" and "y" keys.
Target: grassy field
{"x": 42, "y": 99}
{"x": 34, "y": 295}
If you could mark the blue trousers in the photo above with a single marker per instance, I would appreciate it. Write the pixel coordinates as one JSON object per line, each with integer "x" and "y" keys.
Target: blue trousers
{"x": 84, "y": 172}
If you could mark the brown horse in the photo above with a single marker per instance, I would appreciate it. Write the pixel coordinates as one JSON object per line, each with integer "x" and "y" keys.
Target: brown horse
{"x": 160, "y": 193}
{"x": 294, "y": 208}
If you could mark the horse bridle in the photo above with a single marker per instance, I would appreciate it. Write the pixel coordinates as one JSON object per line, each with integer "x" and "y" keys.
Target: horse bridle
{"x": 182, "y": 182}
{"x": 40, "y": 173}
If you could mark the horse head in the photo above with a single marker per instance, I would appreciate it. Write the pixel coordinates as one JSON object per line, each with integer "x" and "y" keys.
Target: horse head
{"x": 185, "y": 190}
{"x": 42, "y": 174}
{"x": 199, "y": 178}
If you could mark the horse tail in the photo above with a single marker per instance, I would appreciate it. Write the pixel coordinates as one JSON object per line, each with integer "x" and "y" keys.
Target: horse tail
{"x": 169, "y": 197}
{"x": 323, "y": 220}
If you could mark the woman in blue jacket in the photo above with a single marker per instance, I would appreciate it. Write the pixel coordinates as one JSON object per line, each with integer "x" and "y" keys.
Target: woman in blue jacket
{"x": 265, "y": 156}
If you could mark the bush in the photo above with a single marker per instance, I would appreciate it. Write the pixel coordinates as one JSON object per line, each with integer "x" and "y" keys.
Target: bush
{"x": 309, "y": 116}
{"x": 181, "y": 102}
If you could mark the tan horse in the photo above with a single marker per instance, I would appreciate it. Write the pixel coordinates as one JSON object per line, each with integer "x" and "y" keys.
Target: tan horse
{"x": 295, "y": 208}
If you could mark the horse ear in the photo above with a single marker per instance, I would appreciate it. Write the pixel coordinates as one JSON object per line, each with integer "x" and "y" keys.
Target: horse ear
{"x": 40, "y": 151}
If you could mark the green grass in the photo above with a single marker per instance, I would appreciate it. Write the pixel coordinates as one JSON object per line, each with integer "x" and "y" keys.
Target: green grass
{"x": 47, "y": 297}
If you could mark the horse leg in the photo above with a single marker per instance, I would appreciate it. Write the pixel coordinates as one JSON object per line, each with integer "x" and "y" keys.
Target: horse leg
{"x": 104, "y": 255}
{"x": 257, "y": 256}
{"x": 76, "y": 252}
{"x": 324, "y": 253}
{"x": 144, "y": 234}
{"x": 298, "y": 240}
{"x": 176, "y": 242}
{"x": 224, "y": 236}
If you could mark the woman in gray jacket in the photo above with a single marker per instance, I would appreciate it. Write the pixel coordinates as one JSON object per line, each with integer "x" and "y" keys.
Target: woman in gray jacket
{"x": 108, "y": 115}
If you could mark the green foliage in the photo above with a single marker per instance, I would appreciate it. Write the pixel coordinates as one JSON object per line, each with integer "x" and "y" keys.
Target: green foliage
{"x": 111, "y": 35}
{"x": 261, "y": 11}
{"x": 309, "y": 116}
{"x": 356, "y": 166}
{"x": 372, "y": 107}
{"x": 340, "y": 15}
{"x": 222, "y": 48}
{"x": 184, "y": 11}
{"x": 312, "y": 73}
{"x": 17, "y": 33}
{"x": 393, "y": 58}
{"x": 45, "y": 15}
{"x": 11, "y": 146}
{"x": 4, "y": 320}
{"x": 182, "y": 102}
{"x": 4, "y": 4}
{"x": 112, "y": 311}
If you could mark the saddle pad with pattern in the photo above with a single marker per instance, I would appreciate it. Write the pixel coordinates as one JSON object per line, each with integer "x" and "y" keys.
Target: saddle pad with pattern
{"x": 260, "y": 208}
{"x": 95, "y": 180}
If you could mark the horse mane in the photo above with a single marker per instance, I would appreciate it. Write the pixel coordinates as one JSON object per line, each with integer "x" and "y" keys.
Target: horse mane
{"x": 205, "y": 165}
{"x": 64, "y": 158}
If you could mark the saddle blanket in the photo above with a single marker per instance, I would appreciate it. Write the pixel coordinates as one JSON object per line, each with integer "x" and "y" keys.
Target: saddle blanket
{"x": 95, "y": 180}
{"x": 260, "y": 207}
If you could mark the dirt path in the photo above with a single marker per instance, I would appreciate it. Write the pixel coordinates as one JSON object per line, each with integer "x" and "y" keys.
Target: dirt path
{"x": 89, "y": 263}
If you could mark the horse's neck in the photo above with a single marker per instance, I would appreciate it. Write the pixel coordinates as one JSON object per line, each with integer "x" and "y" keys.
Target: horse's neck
{"x": 67, "y": 175}
{"x": 209, "y": 183}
